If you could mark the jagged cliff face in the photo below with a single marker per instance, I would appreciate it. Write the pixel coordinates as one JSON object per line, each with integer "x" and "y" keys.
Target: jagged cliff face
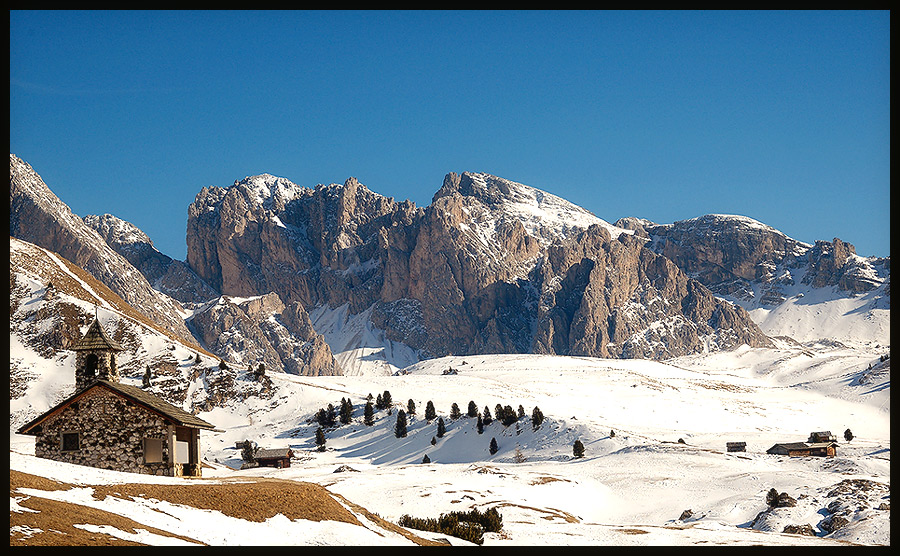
{"x": 36, "y": 215}
{"x": 490, "y": 266}
{"x": 263, "y": 330}
{"x": 729, "y": 254}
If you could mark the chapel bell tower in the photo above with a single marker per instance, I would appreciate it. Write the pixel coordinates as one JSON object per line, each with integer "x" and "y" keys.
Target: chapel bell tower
{"x": 95, "y": 357}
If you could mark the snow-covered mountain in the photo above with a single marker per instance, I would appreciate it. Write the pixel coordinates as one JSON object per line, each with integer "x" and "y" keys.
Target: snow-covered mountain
{"x": 806, "y": 292}
{"x": 378, "y": 287}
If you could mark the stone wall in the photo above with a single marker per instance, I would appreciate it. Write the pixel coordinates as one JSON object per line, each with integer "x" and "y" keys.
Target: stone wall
{"x": 111, "y": 434}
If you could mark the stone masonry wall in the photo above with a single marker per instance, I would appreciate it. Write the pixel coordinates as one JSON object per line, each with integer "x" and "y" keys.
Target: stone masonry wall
{"x": 111, "y": 433}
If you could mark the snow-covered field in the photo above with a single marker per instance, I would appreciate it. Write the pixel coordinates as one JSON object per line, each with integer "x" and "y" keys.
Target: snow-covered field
{"x": 667, "y": 454}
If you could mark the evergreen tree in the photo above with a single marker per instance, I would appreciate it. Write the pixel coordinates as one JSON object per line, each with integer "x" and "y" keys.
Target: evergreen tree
{"x": 369, "y": 414}
{"x": 433, "y": 441}
{"x": 494, "y": 447}
{"x": 197, "y": 360}
{"x": 222, "y": 365}
{"x": 430, "y": 412}
{"x": 441, "y": 429}
{"x": 536, "y": 418}
{"x": 487, "y": 416}
{"x": 455, "y": 413}
{"x": 146, "y": 381}
{"x": 346, "y": 411}
{"x": 772, "y": 498}
{"x": 260, "y": 371}
{"x": 521, "y": 413}
{"x": 386, "y": 399}
{"x": 612, "y": 434}
{"x": 400, "y": 426}
{"x": 426, "y": 459}
{"x": 479, "y": 426}
{"x": 320, "y": 439}
{"x": 411, "y": 407}
{"x": 498, "y": 412}
{"x": 472, "y": 410}
{"x": 331, "y": 415}
{"x": 509, "y": 416}
{"x": 248, "y": 451}
{"x": 578, "y": 449}
{"x": 848, "y": 436}
{"x": 379, "y": 402}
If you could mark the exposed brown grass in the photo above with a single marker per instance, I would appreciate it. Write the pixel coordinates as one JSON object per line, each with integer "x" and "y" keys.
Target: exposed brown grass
{"x": 255, "y": 500}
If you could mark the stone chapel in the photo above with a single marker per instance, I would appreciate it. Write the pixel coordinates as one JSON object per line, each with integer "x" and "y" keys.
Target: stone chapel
{"x": 110, "y": 425}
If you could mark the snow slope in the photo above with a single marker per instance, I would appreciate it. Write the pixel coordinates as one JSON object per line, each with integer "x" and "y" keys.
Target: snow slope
{"x": 667, "y": 454}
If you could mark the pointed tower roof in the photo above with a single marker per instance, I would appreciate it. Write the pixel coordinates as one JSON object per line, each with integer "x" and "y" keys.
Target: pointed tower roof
{"x": 96, "y": 338}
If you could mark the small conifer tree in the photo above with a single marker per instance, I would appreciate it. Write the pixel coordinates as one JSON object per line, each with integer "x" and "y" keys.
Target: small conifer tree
{"x": 146, "y": 381}
{"x": 430, "y": 412}
{"x": 411, "y": 407}
{"x": 379, "y": 402}
{"x": 479, "y": 425}
{"x": 521, "y": 412}
{"x": 578, "y": 449}
{"x": 493, "y": 447}
{"x": 455, "y": 413}
{"x": 248, "y": 452}
{"x": 346, "y": 414}
{"x": 848, "y": 436}
{"x": 472, "y": 409}
{"x": 426, "y": 459}
{"x": 433, "y": 441}
{"x": 441, "y": 428}
{"x": 386, "y": 399}
{"x": 320, "y": 439}
{"x": 400, "y": 426}
{"x": 487, "y": 416}
{"x": 369, "y": 414}
{"x": 537, "y": 417}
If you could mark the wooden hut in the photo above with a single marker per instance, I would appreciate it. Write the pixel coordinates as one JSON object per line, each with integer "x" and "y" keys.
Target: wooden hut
{"x": 274, "y": 457}
{"x": 821, "y": 436}
{"x": 736, "y": 446}
{"x": 801, "y": 449}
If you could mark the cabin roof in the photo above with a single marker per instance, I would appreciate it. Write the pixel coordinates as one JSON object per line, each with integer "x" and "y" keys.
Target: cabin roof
{"x": 791, "y": 445}
{"x": 272, "y": 453}
{"x": 149, "y": 401}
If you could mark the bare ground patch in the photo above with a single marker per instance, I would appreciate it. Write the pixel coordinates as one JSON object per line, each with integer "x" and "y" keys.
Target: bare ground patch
{"x": 256, "y": 500}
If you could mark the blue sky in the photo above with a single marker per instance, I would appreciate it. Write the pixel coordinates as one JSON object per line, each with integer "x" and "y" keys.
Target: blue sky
{"x": 780, "y": 116}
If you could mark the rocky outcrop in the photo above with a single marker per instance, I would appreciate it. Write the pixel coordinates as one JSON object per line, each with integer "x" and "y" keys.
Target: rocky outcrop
{"x": 37, "y": 216}
{"x": 263, "y": 330}
{"x": 167, "y": 275}
{"x": 490, "y": 266}
{"x": 736, "y": 255}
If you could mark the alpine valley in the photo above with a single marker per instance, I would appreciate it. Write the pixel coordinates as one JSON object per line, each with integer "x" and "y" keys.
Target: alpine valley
{"x": 652, "y": 345}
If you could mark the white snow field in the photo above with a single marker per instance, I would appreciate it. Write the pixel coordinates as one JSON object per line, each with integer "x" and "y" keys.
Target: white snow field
{"x": 671, "y": 422}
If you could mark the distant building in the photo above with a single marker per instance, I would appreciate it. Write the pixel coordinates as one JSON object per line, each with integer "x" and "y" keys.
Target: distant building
{"x": 821, "y": 436}
{"x": 801, "y": 449}
{"x": 276, "y": 457}
{"x": 116, "y": 426}
{"x": 736, "y": 446}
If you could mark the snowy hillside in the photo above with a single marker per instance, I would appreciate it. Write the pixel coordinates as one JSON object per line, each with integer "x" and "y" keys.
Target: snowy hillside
{"x": 654, "y": 437}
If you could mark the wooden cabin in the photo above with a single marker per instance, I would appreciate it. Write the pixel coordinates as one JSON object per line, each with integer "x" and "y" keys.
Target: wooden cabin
{"x": 802, "y": 449}
{"x": 821, "y": 436}
{"x": 275, "y": 457}
{"x": 116, "y": 426}
{"x": 736, "y": 446}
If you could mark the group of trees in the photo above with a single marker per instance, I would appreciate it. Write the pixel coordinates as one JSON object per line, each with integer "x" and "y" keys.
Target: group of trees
{"x": 328, "y": 417}
{"x": 470, "y": 526}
